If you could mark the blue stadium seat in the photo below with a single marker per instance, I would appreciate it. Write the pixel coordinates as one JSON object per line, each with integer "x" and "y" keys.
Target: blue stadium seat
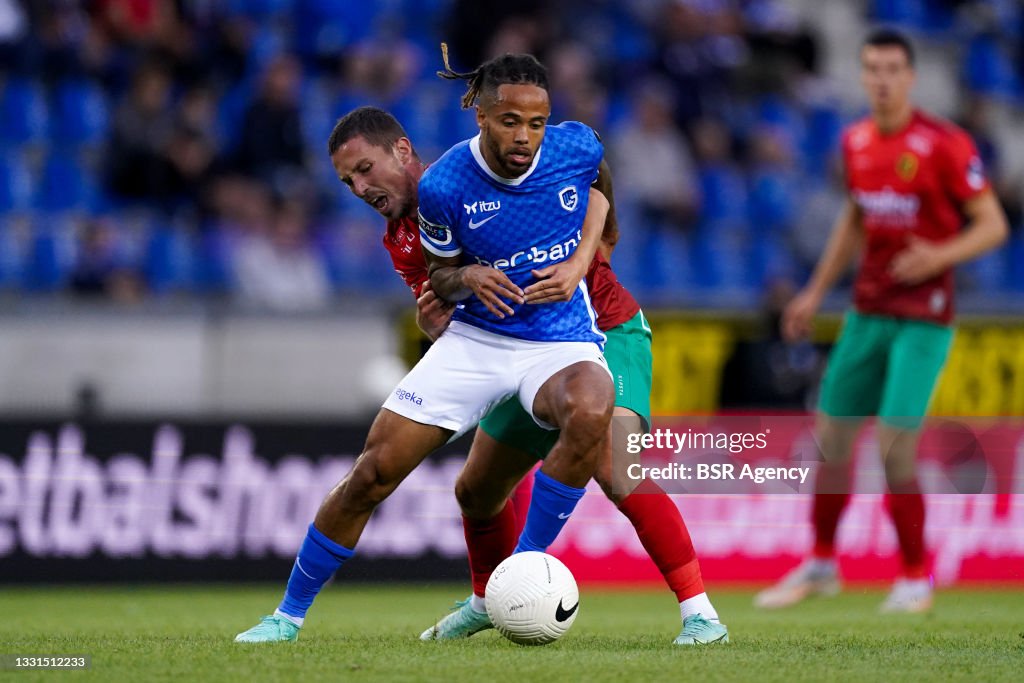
{"x": 326, "y": 27}
{"x": 10, "y": 253}
{"x": 65, "y": 185}
{"x": 48, "y": 257}
{"x": 987, "y": 68}
{"x": 24, "y": 116}
{"x": 724, "y": 195}
{"x": 82, "y": 114}
{"x": 16, "y": 184}
{"x": 259, "y": 9}
{"x": 909, "y": 12}
{"x": 772, "y": 201}
{"x": 1015, "y": 255}
{"x": 212, "y": 265}
{"x": 721, "y": 258}
{"x": 822, "y": 129}
{"x": 167, "y": 264}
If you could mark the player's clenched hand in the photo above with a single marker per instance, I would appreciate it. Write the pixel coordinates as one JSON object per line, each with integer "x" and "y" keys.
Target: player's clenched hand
{"x": 919, "y": 261}
{"x": 555, "y": 283}
{"x": 433, "y": 314}
{"x": 799, "y": 315}
{"x": 493, "y": 288}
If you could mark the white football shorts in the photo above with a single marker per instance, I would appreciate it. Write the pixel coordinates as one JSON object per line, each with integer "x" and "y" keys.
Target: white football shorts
{"x": 468, "y": 371}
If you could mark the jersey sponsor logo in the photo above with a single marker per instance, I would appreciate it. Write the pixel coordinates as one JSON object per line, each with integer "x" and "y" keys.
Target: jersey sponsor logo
{"x": 975, "y": 174}
{"x": 482, "y": 206}
{"x": 474, "y": 224}
{"x": 888, "y": 207}
{"x": 410, "y": 396}
{"x": 441, "y": 235}
{"x": 569, "y": 198}
{"x": 555, "y": 252}
{"x": 906, "y": 166}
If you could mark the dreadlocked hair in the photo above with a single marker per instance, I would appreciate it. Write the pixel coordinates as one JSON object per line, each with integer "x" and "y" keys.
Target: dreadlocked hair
{"x": 508, "y": 69}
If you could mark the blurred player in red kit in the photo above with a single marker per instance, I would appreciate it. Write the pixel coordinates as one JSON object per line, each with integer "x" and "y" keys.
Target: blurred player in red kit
{"x": 918, "y": 205}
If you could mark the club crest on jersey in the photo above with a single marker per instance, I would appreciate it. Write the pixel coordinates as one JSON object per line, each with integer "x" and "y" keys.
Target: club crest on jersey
{"x": 569, "y": 198}
{"x": 906, "y": 166}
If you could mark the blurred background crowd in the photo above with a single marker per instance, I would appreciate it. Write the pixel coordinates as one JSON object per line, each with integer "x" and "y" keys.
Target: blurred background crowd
{"x": 156, "y": 149}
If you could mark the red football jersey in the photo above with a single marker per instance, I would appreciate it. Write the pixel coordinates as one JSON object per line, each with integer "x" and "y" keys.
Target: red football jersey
{"x": 914, "y": 181}
{"x": 402, "y": 240}
{"x": 612, "y": 302}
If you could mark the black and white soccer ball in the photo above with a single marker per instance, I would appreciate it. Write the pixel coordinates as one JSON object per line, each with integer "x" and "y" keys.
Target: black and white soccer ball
{"x": 532, "y": 598}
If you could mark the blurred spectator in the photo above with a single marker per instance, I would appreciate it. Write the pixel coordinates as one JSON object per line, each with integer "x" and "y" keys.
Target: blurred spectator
{"x": 575, "y": 93}
{"x": 766, "y": 372}
{"x": 652, "y": 162}
{"x": 193, "y": 146}
{"x": 270, "y": 146}
{"x": 473, "y": 23}
{"x": 100, "y": 271}
{"x": 143, "y": 126}
{"x": 722, "y": 187}
{"x": 773, "y": 180}
{"x": 700, "y": 48}
{"x": 821, "y": 200}
{"x": 276, "y": 265}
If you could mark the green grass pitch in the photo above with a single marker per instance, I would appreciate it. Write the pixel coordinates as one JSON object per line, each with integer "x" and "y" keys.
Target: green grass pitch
{"x": 360, "y": 633}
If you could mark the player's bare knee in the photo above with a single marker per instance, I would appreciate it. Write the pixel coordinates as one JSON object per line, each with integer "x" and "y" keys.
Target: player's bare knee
{"x": 368, "y": 485}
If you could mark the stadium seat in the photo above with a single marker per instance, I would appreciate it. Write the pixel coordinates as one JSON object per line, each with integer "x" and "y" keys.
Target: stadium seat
{"x": 987, "y": 68}
{"x": 65, "y": 185}
{"x": 81, "y": 113}
{"x": 724, "y": 195}
{"x": 822, "y": 128}
{"x": 50, "y": 253}
{"x": 24, "y": 116}
{"x": 772, "y": 200}
{"x": 211, "y": 267}
{"x": 16, "y": 184}
{"x": 167, "y": 264}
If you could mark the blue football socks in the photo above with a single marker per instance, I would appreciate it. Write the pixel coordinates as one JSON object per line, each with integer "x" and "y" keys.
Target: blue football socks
{"x": 550, "y": 507}
{"x": 318, "y": 559}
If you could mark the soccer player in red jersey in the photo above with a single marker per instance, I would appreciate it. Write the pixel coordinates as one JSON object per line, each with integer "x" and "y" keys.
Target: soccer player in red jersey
{"x": 918, "y": 205}
{"x": 375, "y": 159}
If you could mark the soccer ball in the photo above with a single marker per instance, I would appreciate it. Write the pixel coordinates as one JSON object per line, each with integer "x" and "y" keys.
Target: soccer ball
{"x": 532, "y": 598}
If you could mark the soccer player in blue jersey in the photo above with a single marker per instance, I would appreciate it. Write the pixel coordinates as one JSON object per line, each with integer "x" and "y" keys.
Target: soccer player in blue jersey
{"x": 493, "y": 211}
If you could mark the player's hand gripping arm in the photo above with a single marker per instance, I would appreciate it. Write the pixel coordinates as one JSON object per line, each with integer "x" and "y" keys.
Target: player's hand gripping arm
{"x": 453, "y": 282}
{"x": 843, "y": 246}
{"x": 559, "y": 282}
{"x": 433, "y": 314}
{"x": 986, "y": 229}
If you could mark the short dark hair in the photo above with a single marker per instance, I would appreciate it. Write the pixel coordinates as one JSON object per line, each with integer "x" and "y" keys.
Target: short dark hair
{"x": 887, "y": 37}
{"x": 377, "y": 126}
{"x": 508, "y": 69}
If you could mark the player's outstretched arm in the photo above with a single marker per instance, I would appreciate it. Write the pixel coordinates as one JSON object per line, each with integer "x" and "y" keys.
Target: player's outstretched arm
{"x": 843, "y": 246}
{"x": 453, "y": 282}
{"x": 986, "y": 229}
{"x": 559, "y": 282}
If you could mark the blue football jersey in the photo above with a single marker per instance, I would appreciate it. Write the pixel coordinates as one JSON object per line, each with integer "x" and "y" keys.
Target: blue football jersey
{"x": 516, "y": 225}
